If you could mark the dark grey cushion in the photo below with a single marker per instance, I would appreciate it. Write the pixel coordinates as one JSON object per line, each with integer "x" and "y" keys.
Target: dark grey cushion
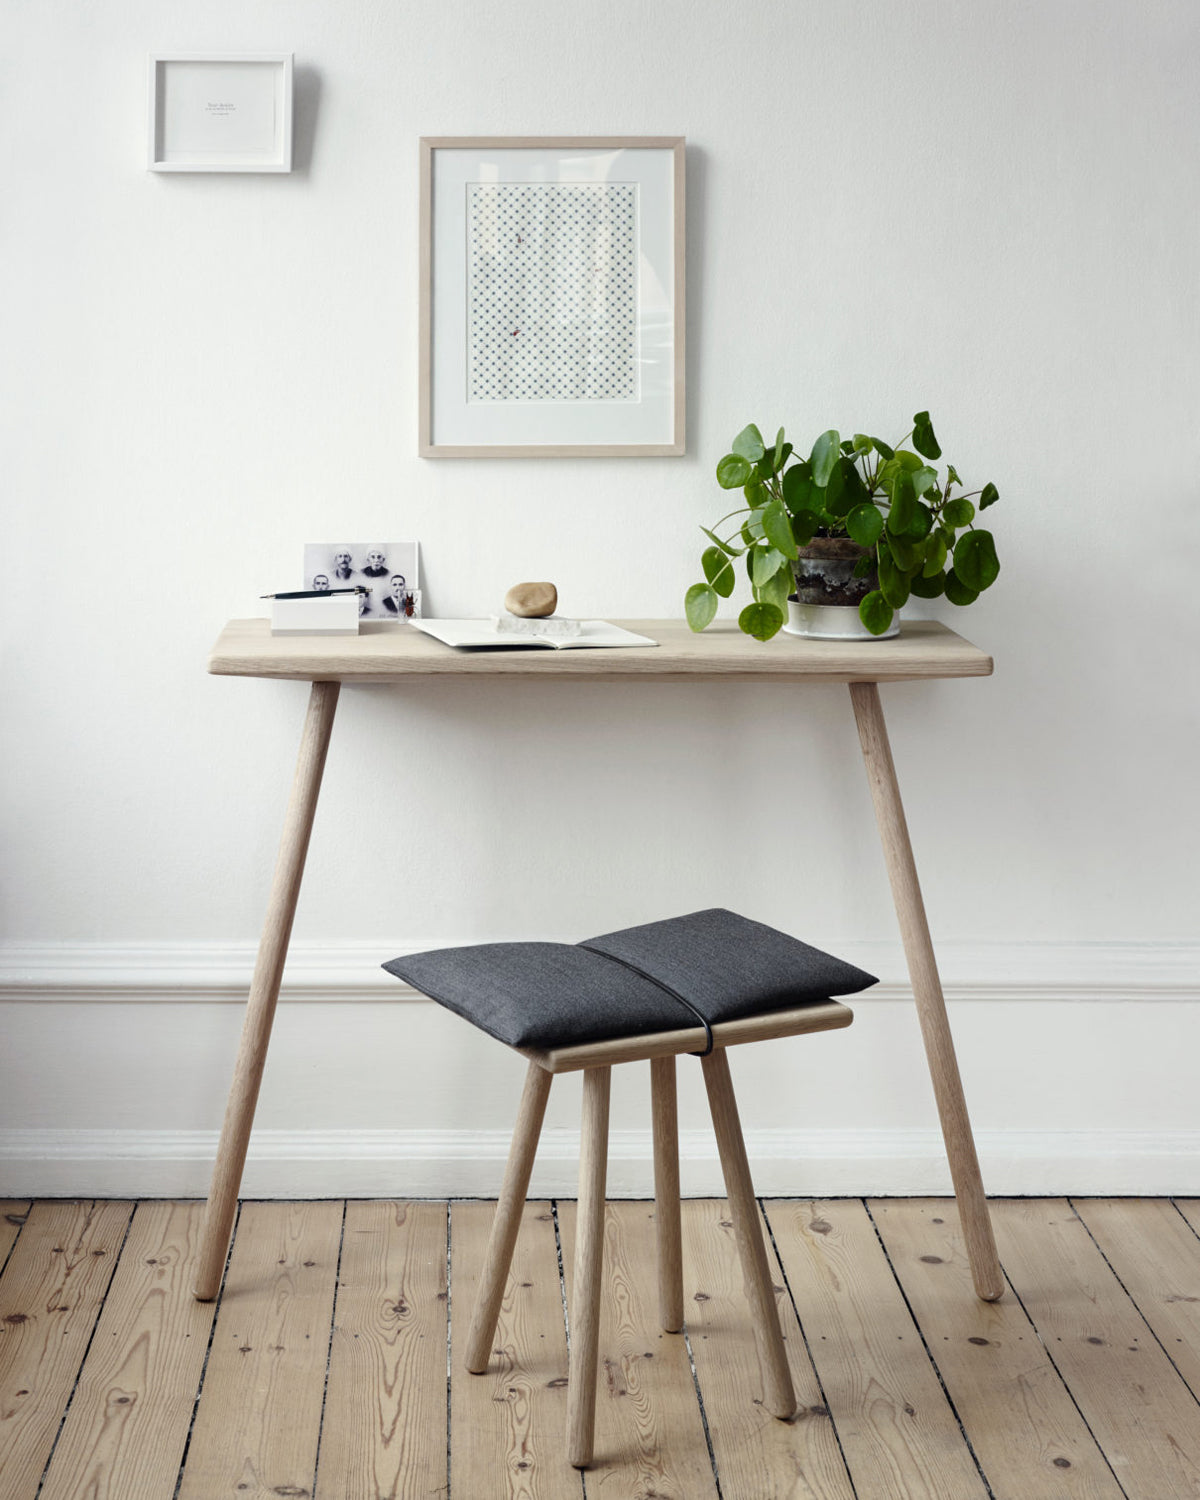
{"x": 707, "y": 967}
{"x": 542, "y": 994}
{"x": 730, "y": 967}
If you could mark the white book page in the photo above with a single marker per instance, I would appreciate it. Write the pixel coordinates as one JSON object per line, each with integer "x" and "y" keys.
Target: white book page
{"x": 479, "y": 633}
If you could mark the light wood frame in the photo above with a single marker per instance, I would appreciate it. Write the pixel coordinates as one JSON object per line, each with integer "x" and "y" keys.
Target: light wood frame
{"x": 427, "y": 448}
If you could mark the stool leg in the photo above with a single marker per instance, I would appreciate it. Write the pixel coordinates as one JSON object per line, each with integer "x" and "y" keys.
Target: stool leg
{"x": 589, "y": 1263}
{"x": 779, "y": 1396}
{"x": 507, "y": 1222}
{"x": 666, "y": 1193}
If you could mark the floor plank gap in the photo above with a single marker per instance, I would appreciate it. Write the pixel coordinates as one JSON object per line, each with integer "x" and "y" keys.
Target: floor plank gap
{"x": 337, "y": 1283}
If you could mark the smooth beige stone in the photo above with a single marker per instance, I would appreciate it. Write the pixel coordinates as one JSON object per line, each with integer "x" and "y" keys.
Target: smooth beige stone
{"x": 531, "y": 601}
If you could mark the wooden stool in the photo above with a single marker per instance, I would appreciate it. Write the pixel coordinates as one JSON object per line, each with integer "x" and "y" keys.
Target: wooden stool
{"x": 632, "y": 989}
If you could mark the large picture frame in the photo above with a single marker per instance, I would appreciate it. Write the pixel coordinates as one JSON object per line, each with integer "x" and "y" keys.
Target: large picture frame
{"x": 552, "y": 296}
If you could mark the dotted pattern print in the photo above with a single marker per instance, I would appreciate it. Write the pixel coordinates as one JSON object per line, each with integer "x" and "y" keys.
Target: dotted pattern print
{"x": 552, "y": 292}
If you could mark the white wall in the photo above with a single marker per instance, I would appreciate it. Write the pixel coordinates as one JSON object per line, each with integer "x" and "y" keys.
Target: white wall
{"x": 991, "y": 211}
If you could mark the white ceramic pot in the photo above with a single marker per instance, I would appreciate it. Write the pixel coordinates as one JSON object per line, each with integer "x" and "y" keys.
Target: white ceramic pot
{"x": 833, "y": 622}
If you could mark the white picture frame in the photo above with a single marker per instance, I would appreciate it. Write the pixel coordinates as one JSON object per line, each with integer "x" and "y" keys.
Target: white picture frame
{"x": 594, "y": 294}
{"x": 220, "y": 112}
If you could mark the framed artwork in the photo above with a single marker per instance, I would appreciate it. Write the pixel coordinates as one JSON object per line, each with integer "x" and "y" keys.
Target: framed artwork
{"x": 552, "y": 296}
{"x": 221, "y": 112}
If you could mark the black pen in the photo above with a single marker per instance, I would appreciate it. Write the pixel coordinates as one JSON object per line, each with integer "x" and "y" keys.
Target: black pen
{"x": 316, "y": 593}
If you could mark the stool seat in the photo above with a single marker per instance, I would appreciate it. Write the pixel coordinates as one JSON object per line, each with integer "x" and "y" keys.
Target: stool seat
{"x": 700, "y": 983}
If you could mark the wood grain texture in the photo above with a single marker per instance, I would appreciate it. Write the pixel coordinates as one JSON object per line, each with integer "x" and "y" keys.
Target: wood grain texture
{"x": 1026, "y": 1430}
{"x": 923, "y": 649}
{"x": 507, "y": 1426}
{"x": 817, "y": 1015}
{"x": 778, "y": 1395}
{"x": 13, "y": 1212}
{"x": 649, "y": 1433}
{"x": 589, "y": 1266}
{"x": 257, "y": 1426}
{"x": 1142, "y": 1414}
{"x": 664, "y": 1114}
{"x": 384, "y": 1428}
{"x": 927, "y": 990}
{"x": 507, "y": 1221}
{"x": 50, "y": 1297}
{"x": 125, "y": 1433}
{"x": 756, "y": 1455}
{"x": 897, "y": 1430}
{"x": 1153, "y": 1251}
{"x": 264, "y": 988}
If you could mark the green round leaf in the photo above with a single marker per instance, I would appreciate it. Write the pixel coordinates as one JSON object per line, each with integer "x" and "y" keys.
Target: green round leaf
{"x": 762, "y": 621}
{"x": 921, "y": 524}
{"x": 865, "y": 566}
{"x": 804, "y": 526}
{"x": 755, "y": 491}
{"x": 875, "y": 612}
{"x": 733, "y": 471}
{"x": 928, "y": 588}
{"x": 718, "y": 569}
{"x": 908, "y": 555}
{"x": 778, "y": 529}
{"x": 779, "y": 447}
{"x": 923, "y": 439}
{"x": 837, "y": 500}
{"x": 865, "y": 524}
{"x": 883, "y": 450}
{"x": 765, "y": 562}
{"x": 935, "y": 556}
{"x": 893, "y": 584}
{"x": 700, "y": 605}
{"x": 975, "y": 560}
{"x": 825, "y": 455}
{"x": 924, "y": 480}
{"x": 904, "y": 503}
{"x": 749, "y": 444}
{"x": 752, "y": 529}
{"x": 776, "y": 589}
{"x": 988, "y": 495}
{"x": 952, "y": 475}
{"x": 956, "y": 590}
{"x": 958, "y": 512}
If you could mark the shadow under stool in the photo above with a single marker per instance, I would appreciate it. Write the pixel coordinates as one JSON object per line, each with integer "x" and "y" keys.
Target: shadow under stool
{"x": 697, "y": 984}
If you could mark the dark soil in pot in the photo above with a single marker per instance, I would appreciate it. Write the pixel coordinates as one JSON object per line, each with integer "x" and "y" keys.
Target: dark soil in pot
{"x": 824, "y": 572}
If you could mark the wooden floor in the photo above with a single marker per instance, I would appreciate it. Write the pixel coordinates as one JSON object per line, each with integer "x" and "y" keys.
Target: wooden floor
{"x": 322, "y": 1370}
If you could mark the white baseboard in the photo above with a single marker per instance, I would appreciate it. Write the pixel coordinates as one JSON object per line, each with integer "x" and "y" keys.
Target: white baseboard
{"x": 469, "y": 1163}
{"x": 349, "y": 972}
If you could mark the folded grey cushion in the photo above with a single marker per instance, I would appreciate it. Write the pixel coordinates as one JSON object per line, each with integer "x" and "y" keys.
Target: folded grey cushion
{"x": 729, "y": 967}
{"x": 542, "y": 994}
{"x": 707, "y": 967}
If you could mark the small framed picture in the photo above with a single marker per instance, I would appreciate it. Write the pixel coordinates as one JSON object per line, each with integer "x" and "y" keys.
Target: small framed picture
{"x": 552, "y": 296}
{"x": 221, "y": 112}
{"x": 388, "y": 570}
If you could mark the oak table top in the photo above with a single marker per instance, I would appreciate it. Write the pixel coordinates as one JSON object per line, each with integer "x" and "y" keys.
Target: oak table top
{"x": 382, "y": 653}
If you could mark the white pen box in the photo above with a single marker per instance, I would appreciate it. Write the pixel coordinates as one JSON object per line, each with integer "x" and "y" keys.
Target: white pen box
{"x": 330, "y": 614}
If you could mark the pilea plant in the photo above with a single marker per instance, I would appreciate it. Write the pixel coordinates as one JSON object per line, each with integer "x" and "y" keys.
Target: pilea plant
{"x": 916, "y": 535}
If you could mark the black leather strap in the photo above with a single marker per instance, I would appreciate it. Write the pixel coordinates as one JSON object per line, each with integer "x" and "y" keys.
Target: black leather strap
{"x": 666, "y": 989}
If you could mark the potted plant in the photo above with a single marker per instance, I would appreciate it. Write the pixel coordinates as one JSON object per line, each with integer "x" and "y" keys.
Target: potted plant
{"x": 854, "y": 528}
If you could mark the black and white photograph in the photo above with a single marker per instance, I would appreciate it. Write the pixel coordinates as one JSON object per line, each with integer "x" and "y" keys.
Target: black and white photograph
{"x": 387, "y": 570}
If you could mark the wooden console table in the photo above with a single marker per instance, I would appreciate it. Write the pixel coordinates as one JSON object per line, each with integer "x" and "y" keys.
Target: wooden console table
{"x": 924, "y": 649}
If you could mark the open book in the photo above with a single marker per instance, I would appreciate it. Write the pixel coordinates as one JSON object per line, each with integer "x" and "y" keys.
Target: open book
{"x": 481, "y": 635}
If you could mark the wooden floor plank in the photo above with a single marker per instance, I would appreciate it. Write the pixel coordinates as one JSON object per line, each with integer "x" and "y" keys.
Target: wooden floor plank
{"x": 128, "y": 1423}
{"x": 12, "y": 1216}
{"x": 50, "y": 1297}
{"x": 649, "y": 1431}
{"x": 896, "y": 1427}
{"x": 1190, "y": 1209}
{"x": 1141, "y": 1412}
{"x": 508, "y": 1425}
{"x": 259, "y": 1416}
{"x": 755, "y": 1454}
{"x": 1157, "y": 1257}
{"x": 1026, "y": 1431}
{"x": 384, "y": 1431}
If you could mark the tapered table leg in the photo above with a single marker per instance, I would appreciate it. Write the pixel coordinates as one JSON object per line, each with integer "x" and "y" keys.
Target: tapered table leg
{"x": 927, "y": 991}
{"x": 264, "y": 990}
{"x": 589, "y": 1264}
{"x": 665, "y": 1116}
{"x": 503, "y": 1238}
{"x": 778, "y": 1394}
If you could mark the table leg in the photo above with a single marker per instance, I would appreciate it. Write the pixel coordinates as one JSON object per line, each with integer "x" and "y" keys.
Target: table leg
{"x": 264, "y": 990}
{"x": 927, "y": 991}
